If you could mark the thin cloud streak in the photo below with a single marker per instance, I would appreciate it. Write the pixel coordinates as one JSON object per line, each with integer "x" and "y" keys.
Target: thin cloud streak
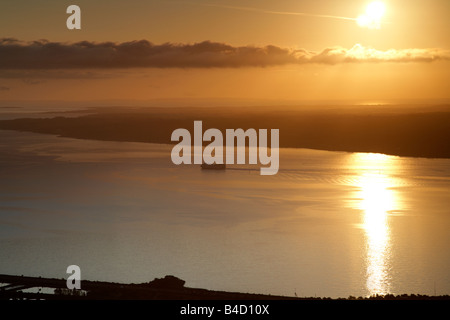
{"x": 277, "y": 12}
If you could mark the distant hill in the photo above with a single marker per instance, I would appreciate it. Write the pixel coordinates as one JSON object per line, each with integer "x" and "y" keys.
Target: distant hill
{"x": 167, "y": 288}
{"x": 419, "y": 133}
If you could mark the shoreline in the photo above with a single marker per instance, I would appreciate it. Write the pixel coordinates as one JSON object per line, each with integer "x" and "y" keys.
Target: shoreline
{"x": 421, "y": 135}
{"x": 167, "y": 288}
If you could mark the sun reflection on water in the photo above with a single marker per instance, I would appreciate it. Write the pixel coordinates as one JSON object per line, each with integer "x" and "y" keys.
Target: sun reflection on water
{"x": 376, "y": 198}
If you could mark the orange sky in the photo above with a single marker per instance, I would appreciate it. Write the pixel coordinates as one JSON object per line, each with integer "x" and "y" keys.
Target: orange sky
{"x": 406, "y": 58}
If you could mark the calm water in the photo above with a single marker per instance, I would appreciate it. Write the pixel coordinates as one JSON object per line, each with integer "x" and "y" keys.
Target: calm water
{"x": 328, "y": 224}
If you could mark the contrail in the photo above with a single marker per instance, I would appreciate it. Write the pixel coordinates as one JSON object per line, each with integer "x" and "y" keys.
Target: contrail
{"x": 275, "y": 12}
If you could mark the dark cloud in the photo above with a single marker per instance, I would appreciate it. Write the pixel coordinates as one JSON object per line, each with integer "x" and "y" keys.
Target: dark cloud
{"x": 32, "y": 81}
{"x": 36, "y": 76}
{"x": 45, "y": 55}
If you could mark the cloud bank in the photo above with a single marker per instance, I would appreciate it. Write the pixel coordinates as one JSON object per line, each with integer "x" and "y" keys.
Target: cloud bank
{"x": 44, "y": 54}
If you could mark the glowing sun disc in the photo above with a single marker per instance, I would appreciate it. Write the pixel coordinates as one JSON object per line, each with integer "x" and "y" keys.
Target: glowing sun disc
{"x": 372, "y": 18}
{"x": 376, "y": 9}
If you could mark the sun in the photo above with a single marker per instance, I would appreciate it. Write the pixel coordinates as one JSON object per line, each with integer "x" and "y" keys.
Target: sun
{"x": 376, "y": 9}
{"x": 372, "y": 18}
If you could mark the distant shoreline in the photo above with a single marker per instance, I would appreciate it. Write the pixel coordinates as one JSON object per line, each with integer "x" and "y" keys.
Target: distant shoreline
{"x": 167, "y": 288}
{"x": 409, "y": 134}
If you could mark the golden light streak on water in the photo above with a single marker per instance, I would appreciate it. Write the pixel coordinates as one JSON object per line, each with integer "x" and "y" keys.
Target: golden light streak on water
{"x": 376, "y": 198}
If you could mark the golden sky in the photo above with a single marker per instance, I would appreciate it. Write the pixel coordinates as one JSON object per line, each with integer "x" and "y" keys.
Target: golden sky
{"x": 253, "y": 49}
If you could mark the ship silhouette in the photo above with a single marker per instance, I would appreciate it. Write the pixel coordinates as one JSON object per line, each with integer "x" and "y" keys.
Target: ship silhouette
{"x": 213, "y": 166}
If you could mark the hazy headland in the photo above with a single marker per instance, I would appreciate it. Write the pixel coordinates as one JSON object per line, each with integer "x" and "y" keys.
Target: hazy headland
{"x": 394, "y": 130}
